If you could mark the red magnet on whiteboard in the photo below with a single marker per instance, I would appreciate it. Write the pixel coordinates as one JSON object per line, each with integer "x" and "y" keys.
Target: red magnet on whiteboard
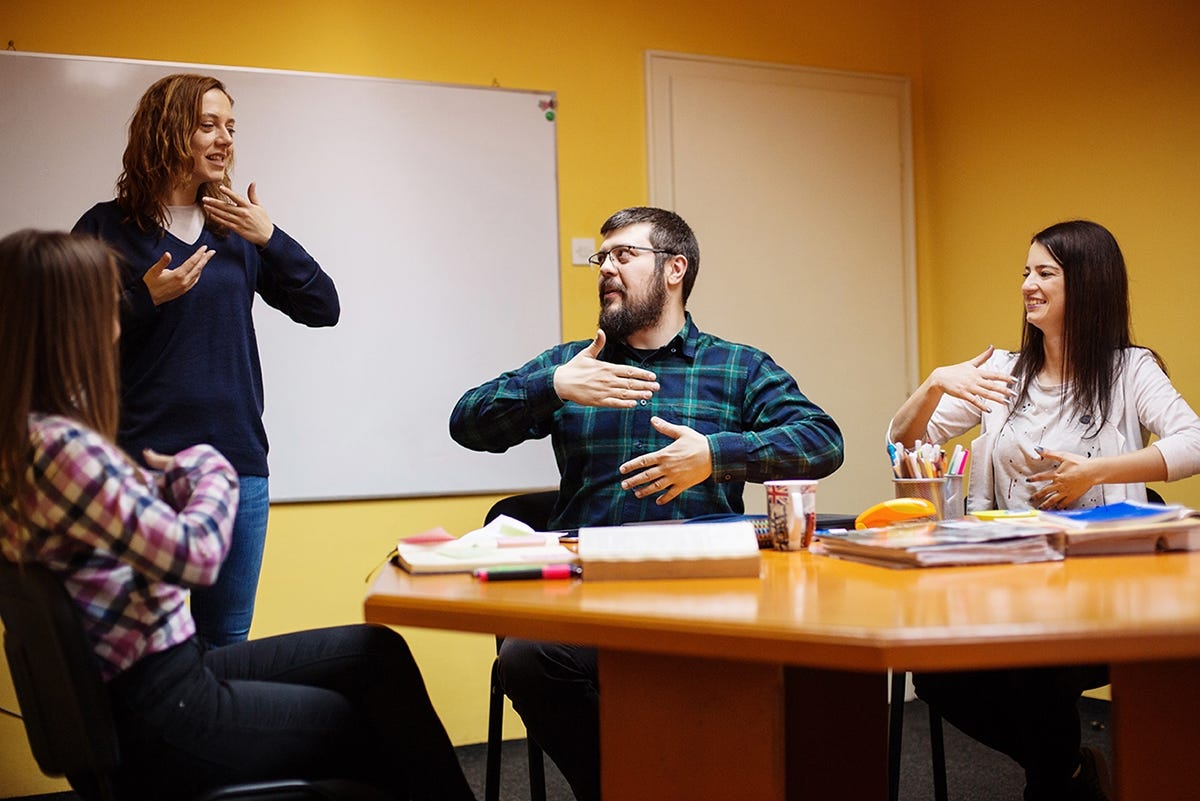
{"x": 548, "y": 106}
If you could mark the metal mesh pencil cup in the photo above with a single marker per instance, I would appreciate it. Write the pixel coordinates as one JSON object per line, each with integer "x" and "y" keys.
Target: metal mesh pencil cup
{"x": 931, "y": 489}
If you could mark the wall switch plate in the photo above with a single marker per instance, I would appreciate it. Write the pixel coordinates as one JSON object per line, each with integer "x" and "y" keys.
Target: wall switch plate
{"x": 581, "y": 248}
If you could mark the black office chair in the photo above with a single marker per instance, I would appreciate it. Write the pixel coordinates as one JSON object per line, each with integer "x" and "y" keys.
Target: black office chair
{"x": 895, "y": 732}
{"x": 532, "y": 509}
{"x": 64, "y": 705}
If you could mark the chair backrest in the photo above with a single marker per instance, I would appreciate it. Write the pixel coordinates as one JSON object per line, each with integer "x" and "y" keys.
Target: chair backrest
{"x": 534, "y": 510}
{"x": 62, "y": 699}
{"x": 65, "y": 705}
{"x": 531, "y": 508}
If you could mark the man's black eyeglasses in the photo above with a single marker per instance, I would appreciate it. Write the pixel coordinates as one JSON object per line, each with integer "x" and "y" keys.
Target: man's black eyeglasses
{"x": 621, "y": 254}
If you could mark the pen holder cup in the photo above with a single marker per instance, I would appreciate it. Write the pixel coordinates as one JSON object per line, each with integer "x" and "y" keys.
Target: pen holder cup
{"x": 931, "y": 489}
{"x": 954, "y": 506}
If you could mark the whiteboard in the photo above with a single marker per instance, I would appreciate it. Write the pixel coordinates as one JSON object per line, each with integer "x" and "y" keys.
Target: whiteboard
{"x": 433, "y": 207}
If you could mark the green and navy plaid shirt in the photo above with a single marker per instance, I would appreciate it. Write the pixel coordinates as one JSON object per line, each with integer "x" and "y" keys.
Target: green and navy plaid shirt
{"x": 759, "y": 427}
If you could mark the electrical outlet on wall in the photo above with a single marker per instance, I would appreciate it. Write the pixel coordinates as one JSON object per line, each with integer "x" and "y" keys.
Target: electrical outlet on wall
{"x": 581, "y": 248}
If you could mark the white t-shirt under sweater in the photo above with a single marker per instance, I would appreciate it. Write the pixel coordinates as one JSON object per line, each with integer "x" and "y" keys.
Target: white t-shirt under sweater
{"x": 185, "y": 223}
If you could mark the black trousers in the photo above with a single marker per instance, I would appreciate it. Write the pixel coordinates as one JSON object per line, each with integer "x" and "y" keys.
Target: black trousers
{"x": 1032, "y": 715}
{"x": 337, "y": 703}
{"x": 554, "y": 687}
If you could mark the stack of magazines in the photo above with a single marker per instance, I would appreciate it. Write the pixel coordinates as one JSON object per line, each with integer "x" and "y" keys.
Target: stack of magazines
{"x": 1119, "y": 528}
{"x": 948, "y": 542}
{"x": 1128, "y": 527}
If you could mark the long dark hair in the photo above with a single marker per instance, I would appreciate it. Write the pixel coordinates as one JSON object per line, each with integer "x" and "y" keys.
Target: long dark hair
{"x": 58, "y": 305}
{"x": 1096, "y": 327}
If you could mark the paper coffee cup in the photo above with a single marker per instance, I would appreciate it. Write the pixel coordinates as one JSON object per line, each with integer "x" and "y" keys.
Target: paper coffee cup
{"x": 792, "y": 513}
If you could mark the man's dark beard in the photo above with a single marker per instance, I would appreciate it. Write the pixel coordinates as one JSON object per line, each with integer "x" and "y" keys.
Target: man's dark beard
{"x": 619, "y": 321}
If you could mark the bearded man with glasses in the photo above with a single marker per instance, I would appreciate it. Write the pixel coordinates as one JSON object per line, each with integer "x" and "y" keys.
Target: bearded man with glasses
{"x": 651, "y": 420}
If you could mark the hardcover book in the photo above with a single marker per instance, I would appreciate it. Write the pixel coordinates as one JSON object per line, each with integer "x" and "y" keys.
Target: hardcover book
{"x": 669, "y": 550}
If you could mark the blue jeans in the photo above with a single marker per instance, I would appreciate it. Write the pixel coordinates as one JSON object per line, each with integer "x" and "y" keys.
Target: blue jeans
{"x": 223, "y": 611}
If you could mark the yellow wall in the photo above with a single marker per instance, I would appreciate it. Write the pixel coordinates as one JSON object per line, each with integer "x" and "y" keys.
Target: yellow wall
{"x": 1022, "y": 116}
{"x": 1037, "y": 112}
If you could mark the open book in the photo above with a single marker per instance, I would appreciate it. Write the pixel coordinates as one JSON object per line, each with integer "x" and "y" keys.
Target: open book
{"x": 949, "y": 542}
{"x": 1127, "y": 527}
{"x": 502, "y": 542}
{"x": 669, "y": 550}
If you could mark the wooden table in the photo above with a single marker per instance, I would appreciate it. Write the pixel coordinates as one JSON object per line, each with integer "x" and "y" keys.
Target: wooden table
{"x": 772, "y": 688}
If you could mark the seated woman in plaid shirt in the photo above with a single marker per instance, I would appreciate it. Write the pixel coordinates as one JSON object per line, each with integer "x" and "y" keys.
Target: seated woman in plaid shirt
{"x": 128, "y": 543}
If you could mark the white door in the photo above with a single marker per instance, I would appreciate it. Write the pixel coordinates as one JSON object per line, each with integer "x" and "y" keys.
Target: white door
{"x": 798, "y": 183}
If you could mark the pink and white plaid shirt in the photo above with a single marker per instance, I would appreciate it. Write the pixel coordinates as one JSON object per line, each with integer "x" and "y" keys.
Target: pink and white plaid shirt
{"x": 126, "y": 542}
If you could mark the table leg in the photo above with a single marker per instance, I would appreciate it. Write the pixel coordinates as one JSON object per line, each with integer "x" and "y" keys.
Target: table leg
{"x": 837, "y": 727}
{"x": 1156, "y": 729}
{"x": 686, "y": 728}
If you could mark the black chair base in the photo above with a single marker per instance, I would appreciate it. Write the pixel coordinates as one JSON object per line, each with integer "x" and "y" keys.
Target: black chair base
{"x": 533, "y": 509}
{"x": 895, "y": 733}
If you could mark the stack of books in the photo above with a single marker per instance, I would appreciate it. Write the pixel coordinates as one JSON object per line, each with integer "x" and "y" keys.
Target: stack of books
{"x": 1120, "y": 528}
{"x": 947, "y": 542}
{"x": 1127, "y": 527}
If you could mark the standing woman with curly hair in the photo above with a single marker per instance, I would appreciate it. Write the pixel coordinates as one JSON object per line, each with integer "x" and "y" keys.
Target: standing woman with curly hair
{"x": 194, "y": 254}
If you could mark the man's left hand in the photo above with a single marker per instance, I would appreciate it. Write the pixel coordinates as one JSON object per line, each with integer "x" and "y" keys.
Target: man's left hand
{"x": 684, "y": 463}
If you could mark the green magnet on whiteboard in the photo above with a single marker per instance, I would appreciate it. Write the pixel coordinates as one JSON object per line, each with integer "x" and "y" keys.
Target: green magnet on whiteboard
{"x": 550, "y": 115}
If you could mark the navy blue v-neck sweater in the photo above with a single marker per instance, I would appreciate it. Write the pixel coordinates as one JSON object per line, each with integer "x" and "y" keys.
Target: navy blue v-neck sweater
{"x": 190, "y": 370}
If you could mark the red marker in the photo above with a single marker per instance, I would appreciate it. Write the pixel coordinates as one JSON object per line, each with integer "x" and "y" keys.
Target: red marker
{"x": 520, "y": 573}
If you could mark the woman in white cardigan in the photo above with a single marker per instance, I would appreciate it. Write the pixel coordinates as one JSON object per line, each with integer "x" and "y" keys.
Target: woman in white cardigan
{"x": 1064, "y": 423}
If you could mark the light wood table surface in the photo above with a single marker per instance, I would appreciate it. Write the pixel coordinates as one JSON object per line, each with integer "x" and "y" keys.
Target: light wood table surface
{"x": 772, "y": 688}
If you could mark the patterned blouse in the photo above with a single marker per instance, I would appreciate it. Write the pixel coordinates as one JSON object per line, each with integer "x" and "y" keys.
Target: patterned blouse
{"x": 126, "y": 542}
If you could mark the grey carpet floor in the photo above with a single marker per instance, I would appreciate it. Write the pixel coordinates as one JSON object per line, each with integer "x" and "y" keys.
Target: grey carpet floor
{"x": 973, "y": 772}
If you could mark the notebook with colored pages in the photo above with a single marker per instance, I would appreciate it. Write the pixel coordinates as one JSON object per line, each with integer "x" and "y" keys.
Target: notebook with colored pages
{"x": 502, "y": 542}
{"x": 448, "y": 559}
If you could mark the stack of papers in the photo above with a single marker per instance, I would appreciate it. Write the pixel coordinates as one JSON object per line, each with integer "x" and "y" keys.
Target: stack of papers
{"x": 949, "y": 542}
{"x": 1127, "y": 527}
{"x": 505, "y": 541}
{"x": 1119, "y": 528}
{"x": 697, "y": 550}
